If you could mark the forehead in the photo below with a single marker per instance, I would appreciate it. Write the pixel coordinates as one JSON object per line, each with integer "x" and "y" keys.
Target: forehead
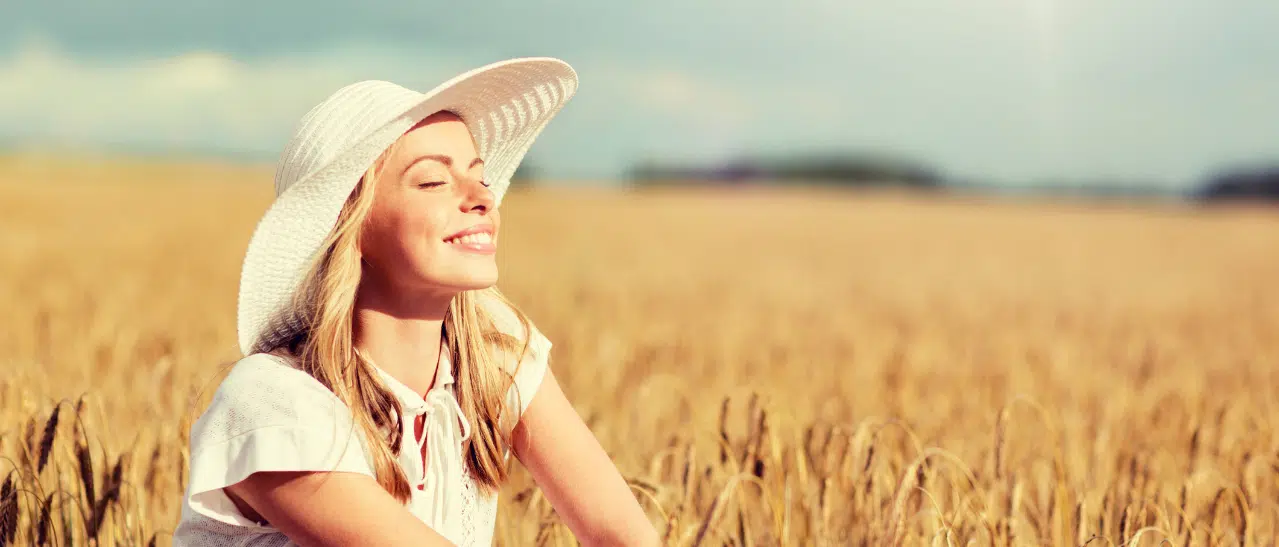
{"x": 442, "y": 133}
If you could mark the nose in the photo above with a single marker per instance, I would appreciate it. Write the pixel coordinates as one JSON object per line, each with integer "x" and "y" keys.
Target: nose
{"x": 478, "y": 197}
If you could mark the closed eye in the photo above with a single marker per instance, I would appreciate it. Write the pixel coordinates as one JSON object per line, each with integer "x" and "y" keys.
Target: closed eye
{"x": 430, "y": 184}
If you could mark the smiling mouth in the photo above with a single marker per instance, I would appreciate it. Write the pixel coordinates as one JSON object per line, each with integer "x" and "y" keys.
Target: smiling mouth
{"x": 481, "y": 238}
{"x": 475, "y": 240}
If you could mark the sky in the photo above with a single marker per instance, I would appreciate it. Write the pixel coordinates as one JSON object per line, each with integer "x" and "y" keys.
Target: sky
{"x": 1013, "y": 92}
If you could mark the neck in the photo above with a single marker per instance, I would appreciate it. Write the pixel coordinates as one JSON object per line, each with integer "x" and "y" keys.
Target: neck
{"x": 401, "y": 332}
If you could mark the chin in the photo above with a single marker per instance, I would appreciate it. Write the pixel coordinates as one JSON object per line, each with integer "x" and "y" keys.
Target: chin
{"x": 455, "y": 281}
{"x": 477, "y": 282}
{"x": 478, "y": 285}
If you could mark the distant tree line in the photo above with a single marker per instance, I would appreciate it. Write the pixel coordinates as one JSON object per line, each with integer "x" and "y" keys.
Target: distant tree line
{"x": 1261, "y": 183}
{"x": 863, "y": 170}
{"x": 818, "y": 169}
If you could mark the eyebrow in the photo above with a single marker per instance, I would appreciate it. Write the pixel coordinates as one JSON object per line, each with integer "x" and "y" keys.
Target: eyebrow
{"x": 446, "y": 160}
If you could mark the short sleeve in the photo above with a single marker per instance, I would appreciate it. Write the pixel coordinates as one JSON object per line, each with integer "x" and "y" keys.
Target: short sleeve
{"x": 532, "y": 369}
{"x": 267, "y": 416}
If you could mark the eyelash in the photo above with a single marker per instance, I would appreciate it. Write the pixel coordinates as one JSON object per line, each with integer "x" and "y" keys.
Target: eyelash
{"x": 483, "y": 183}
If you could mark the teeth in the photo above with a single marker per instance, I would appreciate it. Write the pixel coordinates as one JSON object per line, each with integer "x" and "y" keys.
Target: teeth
{"x": 473, "y": 239}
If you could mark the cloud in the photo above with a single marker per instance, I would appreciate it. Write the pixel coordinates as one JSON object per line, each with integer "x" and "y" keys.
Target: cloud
{"x": 1011, "y": 90}
{"x": 209, "y": 101}
{"x": 195, "y": 100}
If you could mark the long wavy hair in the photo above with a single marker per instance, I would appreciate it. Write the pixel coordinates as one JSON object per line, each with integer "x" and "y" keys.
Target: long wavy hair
{"x": 479, "y": 352}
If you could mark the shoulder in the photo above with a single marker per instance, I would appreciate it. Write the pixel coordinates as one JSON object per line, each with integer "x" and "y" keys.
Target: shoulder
{"x": 265, "y": 390}
{"x": 516, "y": 325}
{"x": 269, "y": 374}
{"x": 266, "y": 415}
{"x": 526, "y": 358}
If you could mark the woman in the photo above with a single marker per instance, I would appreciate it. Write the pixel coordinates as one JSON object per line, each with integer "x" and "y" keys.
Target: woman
{"x": 386, "y": 381}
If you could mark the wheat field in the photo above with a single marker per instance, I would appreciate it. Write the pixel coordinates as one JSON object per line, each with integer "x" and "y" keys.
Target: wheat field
{"x": 802, "y": 367}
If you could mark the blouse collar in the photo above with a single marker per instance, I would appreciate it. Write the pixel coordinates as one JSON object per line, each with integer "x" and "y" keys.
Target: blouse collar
{"x": 444, "y": 431}
{"x": 408, "y": 397}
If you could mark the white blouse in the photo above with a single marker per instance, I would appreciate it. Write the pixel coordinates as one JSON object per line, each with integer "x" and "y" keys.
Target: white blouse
{"x": 268, "y": 415}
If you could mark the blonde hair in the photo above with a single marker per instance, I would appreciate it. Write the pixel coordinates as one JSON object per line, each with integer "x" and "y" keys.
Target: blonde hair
{"x": 478, "y": 350}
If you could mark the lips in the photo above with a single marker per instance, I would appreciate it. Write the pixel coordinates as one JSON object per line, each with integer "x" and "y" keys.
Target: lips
{"x": 477, "y": 238}
{"x": 472, "y": 239}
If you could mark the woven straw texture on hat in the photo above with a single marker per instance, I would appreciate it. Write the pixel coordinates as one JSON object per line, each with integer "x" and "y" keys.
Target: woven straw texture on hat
{"x": 505, "y": 105}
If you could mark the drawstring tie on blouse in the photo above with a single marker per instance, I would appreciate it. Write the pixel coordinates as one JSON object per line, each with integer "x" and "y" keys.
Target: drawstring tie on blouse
{"x": 443, "y": 431}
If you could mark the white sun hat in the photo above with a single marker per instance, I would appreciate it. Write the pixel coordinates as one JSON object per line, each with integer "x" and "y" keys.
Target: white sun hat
{"x": 505, "y": 105}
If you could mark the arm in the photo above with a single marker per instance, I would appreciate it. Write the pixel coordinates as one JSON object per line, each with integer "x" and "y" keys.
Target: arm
{"x": 331, "y": 508}
{"x": 575, "y": 473}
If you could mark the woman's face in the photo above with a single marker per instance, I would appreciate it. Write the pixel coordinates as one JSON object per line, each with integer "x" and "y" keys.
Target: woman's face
{"x": 433, "y": 224}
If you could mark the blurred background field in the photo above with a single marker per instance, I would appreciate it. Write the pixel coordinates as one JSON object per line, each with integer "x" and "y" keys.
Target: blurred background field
{"x": 942, "y": 369}
{"x": 829, "y": 273}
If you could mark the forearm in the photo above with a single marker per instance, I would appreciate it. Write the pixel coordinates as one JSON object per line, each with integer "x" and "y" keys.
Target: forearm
{"x": 334, "y": 509}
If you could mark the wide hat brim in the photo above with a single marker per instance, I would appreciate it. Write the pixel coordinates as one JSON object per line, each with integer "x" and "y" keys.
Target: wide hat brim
{"x": 506, "y": 105}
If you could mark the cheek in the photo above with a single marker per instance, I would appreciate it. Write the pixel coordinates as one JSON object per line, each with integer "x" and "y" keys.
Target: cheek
{"x": 386, "y": 230}
{"x": 423, "y": 227}
{"x": 414, "y": 235}
{"x": 405, "y": 229}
